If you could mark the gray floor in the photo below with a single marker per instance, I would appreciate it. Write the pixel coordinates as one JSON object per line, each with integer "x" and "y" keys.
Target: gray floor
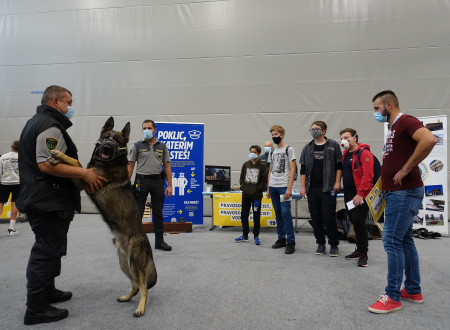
{"x": 210, "y": 282}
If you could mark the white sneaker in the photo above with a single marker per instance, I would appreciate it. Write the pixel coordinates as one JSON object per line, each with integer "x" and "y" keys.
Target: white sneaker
{"x": 12, "y": 232}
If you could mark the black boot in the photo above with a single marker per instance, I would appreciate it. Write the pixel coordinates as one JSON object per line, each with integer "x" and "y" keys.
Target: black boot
{"x": 290, "y": 248}
{"x": 57, "y": 296}
{"x": 160, "y": 244}
{"x": 281, "y": 242}
{"x": 50, "y": 314}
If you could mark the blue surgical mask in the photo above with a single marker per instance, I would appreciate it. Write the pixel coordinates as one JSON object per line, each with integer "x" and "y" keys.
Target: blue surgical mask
{"x": 379, "y": 117}
{"x": 148, "y": 134}
{"x": 267, "y": 149}
{"x": 70, "y": 112}
{"x": 253, "y": 156}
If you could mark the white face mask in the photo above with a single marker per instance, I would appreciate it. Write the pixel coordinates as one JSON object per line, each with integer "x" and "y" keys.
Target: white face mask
{"x": 345, "y": 144}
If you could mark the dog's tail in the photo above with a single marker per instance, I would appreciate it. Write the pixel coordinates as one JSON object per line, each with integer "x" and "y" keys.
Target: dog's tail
{"x": 151, "y": 283}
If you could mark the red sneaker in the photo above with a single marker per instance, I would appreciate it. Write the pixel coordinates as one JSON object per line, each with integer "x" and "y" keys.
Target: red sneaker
{"x": 385, "y": 305}
{"x": 415, "y": 298}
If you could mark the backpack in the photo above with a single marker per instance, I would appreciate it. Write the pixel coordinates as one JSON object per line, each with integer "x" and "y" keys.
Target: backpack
{"x": 287, "y": 157}
{"x": 376, "y": 166}
{"x": 346, "y": 230}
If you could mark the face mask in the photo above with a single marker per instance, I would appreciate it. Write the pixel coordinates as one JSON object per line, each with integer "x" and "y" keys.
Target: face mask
{"x": 267, "y": 149}
{"x": 345, "y": 144}
{"x": 70, "y": 112}
{"x": 276, "y": 139}
{"x": 315, "y": 133}
{"x": 253, "y": 156}
{"x": 148, "y": 134}
{"x": 379, "y": 117}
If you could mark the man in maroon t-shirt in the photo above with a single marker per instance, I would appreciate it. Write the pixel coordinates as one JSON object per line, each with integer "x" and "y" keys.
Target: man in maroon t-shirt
{"x": 407, "y": 143}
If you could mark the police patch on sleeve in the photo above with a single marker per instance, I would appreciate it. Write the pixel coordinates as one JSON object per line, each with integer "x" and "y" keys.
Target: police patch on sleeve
{"x": 51, "y": 143}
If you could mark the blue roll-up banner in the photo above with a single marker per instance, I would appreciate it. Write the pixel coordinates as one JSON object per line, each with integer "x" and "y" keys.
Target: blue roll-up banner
{"x": 185, "y": 142}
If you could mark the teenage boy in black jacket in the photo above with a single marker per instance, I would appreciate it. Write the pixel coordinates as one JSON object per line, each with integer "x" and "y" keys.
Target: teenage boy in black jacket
{"x": 253, "y": 183}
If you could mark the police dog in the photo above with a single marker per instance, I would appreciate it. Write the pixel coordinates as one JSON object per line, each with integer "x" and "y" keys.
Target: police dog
{"x": 117, "y": 205}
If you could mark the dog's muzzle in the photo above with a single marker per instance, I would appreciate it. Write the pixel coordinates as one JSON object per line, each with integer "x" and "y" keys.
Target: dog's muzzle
{"x": 108, "y": 149}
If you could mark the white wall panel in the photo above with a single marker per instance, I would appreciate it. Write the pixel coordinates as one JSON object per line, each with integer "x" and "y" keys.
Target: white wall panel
{"x": 238, "y": 66}
{"x": 207, "y": 29}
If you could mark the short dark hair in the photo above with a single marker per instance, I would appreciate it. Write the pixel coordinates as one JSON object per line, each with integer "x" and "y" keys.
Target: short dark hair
{"x": 386, "y": 96}
{"x": 149, "y": 121}
{"x": 15, "y": 145}
{"x": 257, "y": 147}
{"x": 321, "y": 124}
{"x": 351, "y": 131}
{"x": 51, "y": 92}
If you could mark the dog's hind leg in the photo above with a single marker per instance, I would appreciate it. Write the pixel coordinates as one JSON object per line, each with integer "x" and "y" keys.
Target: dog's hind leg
{"x": 133, "y": 292}
{"x": 144, "y": 292}
{"x": 124, "y": 266}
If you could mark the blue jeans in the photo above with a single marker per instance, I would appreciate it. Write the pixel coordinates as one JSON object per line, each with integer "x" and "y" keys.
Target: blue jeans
{"x": 285, "y": 227}
{"x": 401, "y": 207}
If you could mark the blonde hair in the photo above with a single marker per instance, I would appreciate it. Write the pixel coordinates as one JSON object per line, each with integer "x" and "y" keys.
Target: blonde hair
{"x": 277, "y": 128}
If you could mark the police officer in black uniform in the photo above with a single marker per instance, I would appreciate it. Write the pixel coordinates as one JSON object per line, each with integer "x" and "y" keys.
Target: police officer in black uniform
{"x": 153, "y": 167}
{"x": 50, "y": 200}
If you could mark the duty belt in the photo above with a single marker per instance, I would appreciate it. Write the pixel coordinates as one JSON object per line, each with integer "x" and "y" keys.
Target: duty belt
{"x": 150, "y": 176}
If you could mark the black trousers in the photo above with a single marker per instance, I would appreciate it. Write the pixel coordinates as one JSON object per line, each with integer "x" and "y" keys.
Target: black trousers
{"x": 50, "y": 231}
{"x": 358, "y": 216}
{"x": 155, "y": 188}
{"x": 255, "y": 205}
{"x": 322, "y": 207}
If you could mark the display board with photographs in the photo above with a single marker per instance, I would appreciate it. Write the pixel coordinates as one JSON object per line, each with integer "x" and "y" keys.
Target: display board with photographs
{"x": 433, "y": 213}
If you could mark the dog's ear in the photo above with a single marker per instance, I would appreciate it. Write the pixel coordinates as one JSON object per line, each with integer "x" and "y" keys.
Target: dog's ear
{"x": 109, "y": 125}
{"x": 126, "y": 132}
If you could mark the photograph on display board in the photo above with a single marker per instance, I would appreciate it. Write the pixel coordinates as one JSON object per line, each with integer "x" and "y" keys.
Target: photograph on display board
{"x": 434, "y": 190}
{"x": 435, "y": 126}
{"x": 435, "y": 205}
{"x": 436, "y": 165}
{"x": 434, "y": 219}
{"x": 440, "y": 139}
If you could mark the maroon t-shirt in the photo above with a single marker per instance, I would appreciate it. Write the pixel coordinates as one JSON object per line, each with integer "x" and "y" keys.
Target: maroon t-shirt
{"x": 398, "y": 148}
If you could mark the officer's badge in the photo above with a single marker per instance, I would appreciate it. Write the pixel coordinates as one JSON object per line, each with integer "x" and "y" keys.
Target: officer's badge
{"x": 51, "y": 143}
